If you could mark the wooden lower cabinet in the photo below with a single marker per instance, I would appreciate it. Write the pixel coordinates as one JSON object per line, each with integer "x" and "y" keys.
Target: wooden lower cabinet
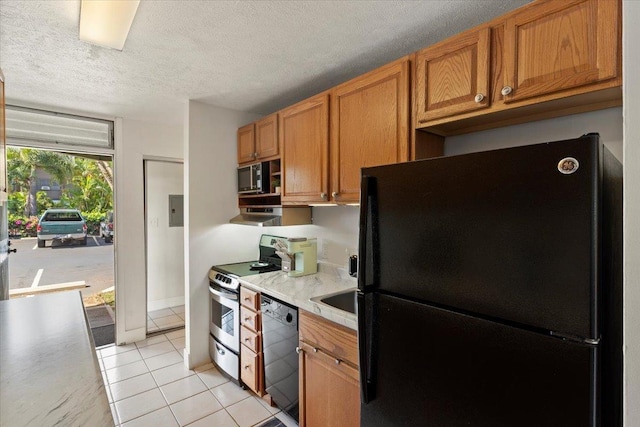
{"x": 329, "y": 381}
{"x": 251, "y": 369}
{"x": 251, "y": 364}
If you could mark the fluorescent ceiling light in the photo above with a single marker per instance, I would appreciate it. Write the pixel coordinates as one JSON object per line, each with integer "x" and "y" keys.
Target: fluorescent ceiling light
{"x": 107, "y": 22}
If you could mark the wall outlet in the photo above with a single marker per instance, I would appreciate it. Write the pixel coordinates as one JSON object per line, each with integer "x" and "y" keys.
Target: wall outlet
{"x": 324, "y": 249}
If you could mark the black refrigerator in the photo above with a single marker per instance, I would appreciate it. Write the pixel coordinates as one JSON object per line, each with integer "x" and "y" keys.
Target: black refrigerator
{"x": 490, "y": 289}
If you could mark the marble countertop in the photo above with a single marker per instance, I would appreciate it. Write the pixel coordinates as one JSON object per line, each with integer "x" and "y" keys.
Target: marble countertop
{"x": 49, "y": 371}
{"x": 297, "y": 291}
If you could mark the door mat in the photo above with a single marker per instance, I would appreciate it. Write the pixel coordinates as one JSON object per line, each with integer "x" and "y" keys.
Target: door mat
{"x": 103, "y": 335}
{"x": 101, "y": 324}
{"x": 273, "y": 423}
{"x": 99, "y": 315}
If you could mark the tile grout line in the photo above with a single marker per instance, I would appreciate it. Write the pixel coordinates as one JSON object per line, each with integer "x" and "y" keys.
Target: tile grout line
{"x": 158, "y": 387}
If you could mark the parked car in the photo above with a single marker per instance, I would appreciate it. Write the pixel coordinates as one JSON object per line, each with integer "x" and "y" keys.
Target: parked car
{"x": 62, "y": 225}
{"x": 106, "y": 227}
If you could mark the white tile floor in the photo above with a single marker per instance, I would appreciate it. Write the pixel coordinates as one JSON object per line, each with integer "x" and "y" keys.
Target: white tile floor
{"x": 166, "y": 318}
{"x": 148, "y": 385}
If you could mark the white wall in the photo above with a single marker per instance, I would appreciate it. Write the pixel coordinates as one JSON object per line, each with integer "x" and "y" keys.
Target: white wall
{"x": 210, "y": 157}
{"x": 165, "y": 245}
{"x": 608, "y": 123}
{"x": 631, "y": 95}
{"x": 134, "y": 141}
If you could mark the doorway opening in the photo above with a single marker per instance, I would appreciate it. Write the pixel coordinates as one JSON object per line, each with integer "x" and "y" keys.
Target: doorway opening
{"x": 164, "y": 244}
{"x": 60, "y": 211}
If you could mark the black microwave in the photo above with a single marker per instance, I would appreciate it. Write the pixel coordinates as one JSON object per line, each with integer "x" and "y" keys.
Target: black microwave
{"x": 253, "y": 178}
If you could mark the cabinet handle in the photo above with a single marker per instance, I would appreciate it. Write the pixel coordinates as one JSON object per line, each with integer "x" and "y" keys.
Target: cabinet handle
{"x": 247, "y": 339}
{"x": 337, "y": 361}
{"x": 255, "y": 155}
{"x": 299, "y": 350}
{"x": 335, "y": 194}
{"x": 479, "y": 98}
{"x": 246, "y": 319}
{"x": 506, "y": 90}
{"x": 247, "y": 299}
{"x": 247, "y": 366}
{"x": 323, "y": 196}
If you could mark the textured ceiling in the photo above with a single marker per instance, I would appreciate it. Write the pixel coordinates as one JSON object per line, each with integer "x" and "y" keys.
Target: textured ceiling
{"x": 255, "y": 56}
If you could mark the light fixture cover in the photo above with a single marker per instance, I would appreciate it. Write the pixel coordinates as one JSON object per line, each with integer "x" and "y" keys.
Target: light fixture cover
{"x": 107, "y": 22}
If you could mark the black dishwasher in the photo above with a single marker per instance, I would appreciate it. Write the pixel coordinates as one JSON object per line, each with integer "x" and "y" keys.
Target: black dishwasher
{"x": 279, "y": 342}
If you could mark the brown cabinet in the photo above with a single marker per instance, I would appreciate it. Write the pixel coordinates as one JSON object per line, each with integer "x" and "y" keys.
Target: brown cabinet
{"x": 369, "y": 121}
{"x": 304, "y": 140}
{"x": 246, "y": 143}
{"x": 251, "y": 366}
{"x": 560, "y": 45}
{"x": 547, "y": 59}
{"x": 329, "y": 381}
{"x": 267, "y": 137}
{"x": 258, "y": 141}
{"x": 453, "y": 77}
{"x": 369, "y": 126}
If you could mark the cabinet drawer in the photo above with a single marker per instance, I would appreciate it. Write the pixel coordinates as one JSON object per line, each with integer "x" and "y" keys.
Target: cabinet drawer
{"x": 249, "y": 298}
{"x": 336, "y": 340}
{"x": 250, "y": 319}
{"x": 250, "y": 371}
{"x": 251, "y": 339}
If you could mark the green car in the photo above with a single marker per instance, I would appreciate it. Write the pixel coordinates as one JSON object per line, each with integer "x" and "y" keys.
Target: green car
{"x": 62, "y": 225}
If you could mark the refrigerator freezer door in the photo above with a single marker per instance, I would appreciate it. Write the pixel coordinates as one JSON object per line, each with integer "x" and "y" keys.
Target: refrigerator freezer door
{"x": 439, "y": 368}
{"x": 507, "y": 234}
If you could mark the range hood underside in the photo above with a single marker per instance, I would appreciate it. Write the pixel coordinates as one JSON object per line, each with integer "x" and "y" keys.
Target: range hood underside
{"x": 267, "y": 217}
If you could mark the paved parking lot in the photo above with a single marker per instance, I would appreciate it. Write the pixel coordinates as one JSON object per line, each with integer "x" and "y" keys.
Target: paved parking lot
{"x": 33, "y": 266}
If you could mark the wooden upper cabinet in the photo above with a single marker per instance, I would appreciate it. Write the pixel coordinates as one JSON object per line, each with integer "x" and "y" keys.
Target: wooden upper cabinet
{"x": 258, "y": 141}
{"x": 559, "y": 45}
{"x": 452, "y": 77}
{"x": 304, "y": 145}
{"x": 246, "y": 144}
{"x": 267, "y": 137}
{"x": 369, "y": 126}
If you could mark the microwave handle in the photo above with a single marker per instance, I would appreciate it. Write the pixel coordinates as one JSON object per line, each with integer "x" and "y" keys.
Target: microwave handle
{"x": 252, "y": 179}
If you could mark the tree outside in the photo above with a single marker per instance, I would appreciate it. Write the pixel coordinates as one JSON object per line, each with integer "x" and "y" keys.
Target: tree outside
{"x": 85, "y": 184}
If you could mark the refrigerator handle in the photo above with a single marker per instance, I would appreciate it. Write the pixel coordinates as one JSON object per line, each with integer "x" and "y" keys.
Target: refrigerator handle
{"x": 367, "y": 248}
{"x": 365, "y": 350}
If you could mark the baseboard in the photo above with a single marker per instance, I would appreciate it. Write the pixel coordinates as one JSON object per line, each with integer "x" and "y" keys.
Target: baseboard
{"x": 127, "y": 337}
{"x": 165, "y": 303}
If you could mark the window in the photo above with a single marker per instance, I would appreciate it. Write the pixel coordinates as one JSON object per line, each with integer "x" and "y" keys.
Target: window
{"x": 25, "y": 126}
{"x": 62, "y": 216}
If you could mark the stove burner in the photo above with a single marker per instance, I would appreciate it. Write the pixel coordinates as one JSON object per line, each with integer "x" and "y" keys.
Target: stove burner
{"x": 263, "y": 267}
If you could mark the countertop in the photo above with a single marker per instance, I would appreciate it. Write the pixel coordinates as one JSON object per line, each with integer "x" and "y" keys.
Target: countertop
{"x": 297, "y": 291}
{"x": 49, "y": 371}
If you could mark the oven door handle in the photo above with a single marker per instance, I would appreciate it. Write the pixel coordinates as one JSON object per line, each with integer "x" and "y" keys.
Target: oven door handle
{"x": 227, "y": 295}
{"x": 219, "y": 349}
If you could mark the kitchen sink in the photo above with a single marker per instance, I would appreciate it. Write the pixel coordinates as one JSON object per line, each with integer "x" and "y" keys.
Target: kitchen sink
{"x": 343, "y": 300}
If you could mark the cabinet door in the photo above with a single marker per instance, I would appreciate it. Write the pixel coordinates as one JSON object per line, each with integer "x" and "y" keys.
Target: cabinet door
{"x": 560, "y": 45}
{"x": 369, "y": 126}
{"x": 329, "y": 391}
{"x": 267, "y": 137}
{"x": 246, "y": 144}
{"x": 453, "y": 77}
{"x": 304, "y": 139}
{"x": 251, "y": 371}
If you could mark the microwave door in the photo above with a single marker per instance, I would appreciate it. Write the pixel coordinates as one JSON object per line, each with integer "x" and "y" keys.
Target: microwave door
{"x": 246, "y": 179}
